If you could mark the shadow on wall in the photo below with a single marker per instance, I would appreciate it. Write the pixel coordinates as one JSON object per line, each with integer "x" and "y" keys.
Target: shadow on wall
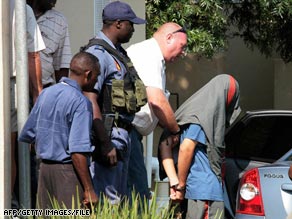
{"x": 256, "y": 79}
{"x": 187, "y": 75}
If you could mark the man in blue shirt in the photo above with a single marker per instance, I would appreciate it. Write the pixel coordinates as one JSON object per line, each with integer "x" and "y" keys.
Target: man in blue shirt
{"x": 203, "y": 119}
{"x": 60, "y": 126}
{"x": 110, "y": 173}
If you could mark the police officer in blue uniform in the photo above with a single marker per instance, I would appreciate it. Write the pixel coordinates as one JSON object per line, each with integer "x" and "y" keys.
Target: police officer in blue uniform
{"x": 109, "y": 170}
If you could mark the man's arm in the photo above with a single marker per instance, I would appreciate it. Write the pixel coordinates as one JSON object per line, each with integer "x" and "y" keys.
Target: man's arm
{"x": 35, "y": 74}
{"x": 168, "y": 165}
{"x": 162, "y": 109}
{"x": 93, "y": 99}
{"x": 80, "y": 164}
{"x": 112, "y": 154}
{"x": 167, "y": 161}
{"x": 186, "y": 153}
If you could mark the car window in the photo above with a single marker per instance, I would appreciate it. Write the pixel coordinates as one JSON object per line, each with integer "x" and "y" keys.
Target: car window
{"x": 262, "y": 138}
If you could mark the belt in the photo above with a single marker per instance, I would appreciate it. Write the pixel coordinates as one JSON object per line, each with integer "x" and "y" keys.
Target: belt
{"x": 124, "y": 125}
{"x": 55, "y": 162}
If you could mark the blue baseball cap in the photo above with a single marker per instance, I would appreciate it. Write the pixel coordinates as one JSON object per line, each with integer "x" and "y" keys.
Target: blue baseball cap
{"x": 120, "y": 11}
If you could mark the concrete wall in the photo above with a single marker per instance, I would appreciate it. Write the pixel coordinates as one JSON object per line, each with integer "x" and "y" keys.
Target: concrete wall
{"x": 80, "y": 16}
{"x": 282, "y": 85}
{"x": 254, "y": 73}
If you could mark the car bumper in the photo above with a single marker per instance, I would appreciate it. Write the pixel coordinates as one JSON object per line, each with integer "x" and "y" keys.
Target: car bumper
{"x": 246, "y": 216}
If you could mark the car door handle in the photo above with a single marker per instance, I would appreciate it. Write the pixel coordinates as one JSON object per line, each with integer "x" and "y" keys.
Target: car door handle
{"x": 286, "y": 187}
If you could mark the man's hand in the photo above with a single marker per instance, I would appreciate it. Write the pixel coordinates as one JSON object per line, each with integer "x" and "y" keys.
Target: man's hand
{"x": 90, "y": 198}
{"x": 80, "y": 165}
{"x": 175, "y": 139}
{"x": 112, "y": 157}
{"x": 180, "y": 193}
{"x": 172, "y": 194}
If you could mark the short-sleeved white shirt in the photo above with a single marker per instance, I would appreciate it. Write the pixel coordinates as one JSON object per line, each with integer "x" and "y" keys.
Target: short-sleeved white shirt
{"x": 35, "y": 41}
{"x": 150, "y": 65}
{"x": 34, "y": 38}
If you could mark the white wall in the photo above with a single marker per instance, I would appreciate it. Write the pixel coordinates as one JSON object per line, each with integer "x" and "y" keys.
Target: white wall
{"x": 80, "y": 16}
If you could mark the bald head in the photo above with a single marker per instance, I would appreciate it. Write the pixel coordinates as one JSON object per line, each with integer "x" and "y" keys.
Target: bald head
{"x": 172, "y": 40}
{"x": 82, "y": 62}
{"x": 166, "y": 28}
{"x": 84, "y": 68}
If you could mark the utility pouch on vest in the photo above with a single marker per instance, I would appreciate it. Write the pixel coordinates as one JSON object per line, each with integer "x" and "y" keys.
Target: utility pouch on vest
{"x": 140, "y": 93}
{"x": 117, "y": 94}
{"x": 128, "y": 94}
{"x": 130, "y": 101}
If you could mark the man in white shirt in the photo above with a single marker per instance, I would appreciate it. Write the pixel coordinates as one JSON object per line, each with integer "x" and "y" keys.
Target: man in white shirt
{"x": 168, "y": 43}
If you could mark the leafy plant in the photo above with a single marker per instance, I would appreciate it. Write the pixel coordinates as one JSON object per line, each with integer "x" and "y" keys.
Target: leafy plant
{"x": 137, "y": 209}
{"x": 265, "y": 24}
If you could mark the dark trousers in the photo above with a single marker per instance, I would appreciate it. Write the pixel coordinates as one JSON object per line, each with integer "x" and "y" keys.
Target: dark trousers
{"x": 60, "y": 182}
{"x": 137, "y": 176}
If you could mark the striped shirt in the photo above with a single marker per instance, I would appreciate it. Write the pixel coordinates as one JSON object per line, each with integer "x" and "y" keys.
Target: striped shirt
{"x": 54, "y": 29}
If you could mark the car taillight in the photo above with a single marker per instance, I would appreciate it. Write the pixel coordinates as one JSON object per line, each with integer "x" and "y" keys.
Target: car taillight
{"x": 249, "y": 199}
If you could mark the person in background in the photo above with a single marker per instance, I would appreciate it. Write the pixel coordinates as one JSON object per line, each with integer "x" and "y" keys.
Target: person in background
{"x": 35, "y": 44}
{"x": 54, "y": 28}
{"x": 149, "y": 57}
{"x": 60, "y": 125}
{"x": 203, "y": 119}
{"x": 55, "y": 58}
{"x": 109, "y": 170}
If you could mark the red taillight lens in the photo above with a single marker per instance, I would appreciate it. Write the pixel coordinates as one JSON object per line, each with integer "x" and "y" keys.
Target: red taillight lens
{"x": 249, "y": 199}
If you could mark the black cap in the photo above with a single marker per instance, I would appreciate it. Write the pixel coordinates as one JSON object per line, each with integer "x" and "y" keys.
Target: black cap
{"x": 120, "y": 11}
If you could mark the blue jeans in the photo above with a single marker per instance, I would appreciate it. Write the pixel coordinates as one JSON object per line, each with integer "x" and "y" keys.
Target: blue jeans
{"x": 137, "y": 174}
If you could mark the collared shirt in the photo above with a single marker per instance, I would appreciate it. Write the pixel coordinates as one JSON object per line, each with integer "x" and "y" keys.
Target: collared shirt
{"x": 150, "y": 65}
{"x": 110, "y": 67}
{"x": 57, "y": 55}
{"x": 60, "y": 122}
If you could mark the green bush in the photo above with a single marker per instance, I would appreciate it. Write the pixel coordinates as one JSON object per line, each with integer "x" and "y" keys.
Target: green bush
{"x": 138, "y": 209}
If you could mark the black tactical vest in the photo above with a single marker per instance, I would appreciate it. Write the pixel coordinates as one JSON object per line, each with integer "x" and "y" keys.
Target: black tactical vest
{"x": 123, "y": 96}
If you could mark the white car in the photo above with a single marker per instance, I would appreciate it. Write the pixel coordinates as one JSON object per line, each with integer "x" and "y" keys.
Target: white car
{"x": 258, "y": 160}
